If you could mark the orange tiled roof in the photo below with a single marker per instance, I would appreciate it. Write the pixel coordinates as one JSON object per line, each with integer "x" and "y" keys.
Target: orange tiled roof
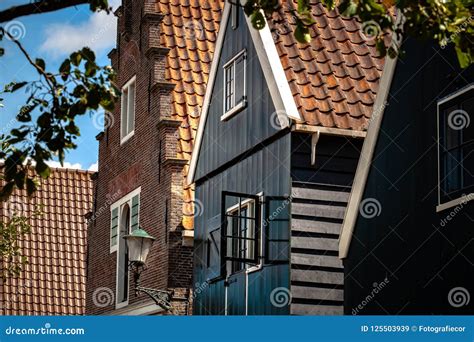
{"x": 53, "y": 281}
{"x": 189, "y": 28}
{"x": 334, "y": 78}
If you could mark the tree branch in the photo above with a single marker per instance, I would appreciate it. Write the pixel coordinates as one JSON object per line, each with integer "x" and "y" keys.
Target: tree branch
{"x": 38, "y": 7}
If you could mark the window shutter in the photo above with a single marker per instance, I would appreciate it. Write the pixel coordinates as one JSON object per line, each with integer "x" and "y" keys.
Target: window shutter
{"x": 213, "y": 244}
{"x": 240, "y": 79}
{"x": 114, "y": 229}
{"x": 277, "y": 229}
{"x": 135, "y": 212}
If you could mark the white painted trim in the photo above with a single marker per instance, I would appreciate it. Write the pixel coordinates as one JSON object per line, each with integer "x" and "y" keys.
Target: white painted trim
{"x": 127, "y": 137}
{"x": 458, "y": 201}
{"x": 130, "y": 134}
{"x": 118, "y": 204}
{"x": 365, "y": 160}
{"x": 243, "y": 102}
{"x": 457, "y": 93}
{"x": 208, "y": 95}
{"x": 140, "y": 309}
{"x": 237, "y": 108}
{"x": 328, "y": 130}
{"x": 277, "y": 72}
{"x": 273, "y": 71}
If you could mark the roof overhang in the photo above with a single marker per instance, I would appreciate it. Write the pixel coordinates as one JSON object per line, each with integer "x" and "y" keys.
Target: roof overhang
{"x": 367, "y": 153}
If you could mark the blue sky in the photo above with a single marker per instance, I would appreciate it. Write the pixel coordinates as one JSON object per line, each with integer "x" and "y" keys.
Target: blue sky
{"x": 53, "y": 37}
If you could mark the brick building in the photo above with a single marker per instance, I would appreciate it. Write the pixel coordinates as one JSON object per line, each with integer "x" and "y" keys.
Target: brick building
{"x": 163, "y": 54}
{"x": 53, "y": 282}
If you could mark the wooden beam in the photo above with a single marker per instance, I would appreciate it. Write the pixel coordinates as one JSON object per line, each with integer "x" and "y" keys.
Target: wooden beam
{"x": 302, "y": 128}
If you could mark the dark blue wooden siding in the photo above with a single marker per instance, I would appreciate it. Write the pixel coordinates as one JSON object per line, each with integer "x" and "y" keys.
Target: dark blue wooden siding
{"x": 320, "y": 194}
{"x": 267, "y": 171}
{"x": 224, "y": 140}
{"x": 422, "y": 255}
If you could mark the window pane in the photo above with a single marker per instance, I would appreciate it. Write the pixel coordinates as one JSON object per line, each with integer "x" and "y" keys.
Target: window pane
{"x": 468, "y": 167}
{"x": 452, "y": 137}
{"x": 451, "y": 177}
{"x": 229, "y": 87}
{"x": 131, "y": 108}
{"x": 123, "y": 117}
{"x": 239, "y": 80}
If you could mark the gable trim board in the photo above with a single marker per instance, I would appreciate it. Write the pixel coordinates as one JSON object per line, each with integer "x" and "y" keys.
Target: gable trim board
{"x": 275, "y": 77}
{"x": 368, "y": 150}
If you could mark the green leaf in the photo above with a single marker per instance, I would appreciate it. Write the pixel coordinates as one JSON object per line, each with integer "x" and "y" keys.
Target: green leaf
{"x": 42, "y": 168}
{"x": 40, "y": 63}
{"x": 302, "y": 33}
{"x": 88, "y": 54}
{"x": 258, "y": 20}
{"x": 30, "y": 186}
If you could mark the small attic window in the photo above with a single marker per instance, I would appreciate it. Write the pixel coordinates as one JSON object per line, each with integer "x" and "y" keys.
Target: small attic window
{"x": 235, "y": 96}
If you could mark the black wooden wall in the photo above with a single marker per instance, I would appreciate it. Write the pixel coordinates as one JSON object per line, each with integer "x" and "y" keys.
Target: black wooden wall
{"x": 225, "y": 140}
{"x": 265, "y": 171}
{"x": 320, "y": 194}
{"x": 407, "y": 246}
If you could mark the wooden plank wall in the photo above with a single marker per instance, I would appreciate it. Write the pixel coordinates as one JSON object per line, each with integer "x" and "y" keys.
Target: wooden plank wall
{"x": 320, "y": 194}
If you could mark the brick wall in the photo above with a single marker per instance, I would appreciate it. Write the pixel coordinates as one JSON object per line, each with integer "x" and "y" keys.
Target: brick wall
{"x": 147, "y": 160}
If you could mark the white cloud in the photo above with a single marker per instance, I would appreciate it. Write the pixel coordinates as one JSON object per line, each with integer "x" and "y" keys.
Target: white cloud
{"x": 66, "y": 165}
{"x": 98, "y": 33}
{"x": 94, "y": 167}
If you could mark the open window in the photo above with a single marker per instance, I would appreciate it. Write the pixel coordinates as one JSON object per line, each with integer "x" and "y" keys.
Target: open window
{"x": 235, "y": 94}
{"x": 276, "y": 229}
{"x": 456, "y": 145}
{"x": 213, "y": 249}
{"x": 240, "y": 232}
{"x": 127, "y": 118}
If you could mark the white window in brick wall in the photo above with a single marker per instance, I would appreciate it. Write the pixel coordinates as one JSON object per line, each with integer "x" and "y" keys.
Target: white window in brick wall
{"x": 127, "y": 124}
{"x": 124, "y": 220}
{"x": 235, "y": 94}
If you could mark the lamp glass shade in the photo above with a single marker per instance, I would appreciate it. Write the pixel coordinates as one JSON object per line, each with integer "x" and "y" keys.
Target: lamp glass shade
{"x": 139, "y": 244}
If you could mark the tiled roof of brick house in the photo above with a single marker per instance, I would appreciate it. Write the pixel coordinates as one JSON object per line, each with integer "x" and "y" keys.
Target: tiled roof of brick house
{"x": 53, "y": 281}
{"x": 189, "y": 29}
{"x": 334, "y": 79}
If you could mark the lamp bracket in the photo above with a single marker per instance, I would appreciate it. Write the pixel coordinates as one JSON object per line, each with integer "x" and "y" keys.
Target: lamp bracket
{"x": 161, "y": 297}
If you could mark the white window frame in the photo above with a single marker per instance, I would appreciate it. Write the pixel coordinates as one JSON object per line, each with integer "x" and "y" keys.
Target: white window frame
{"x": 250, "y": 203}
{"x": 124, "y": 110}
{"x": 127, "y": 199}
{"x": 467, "y": 197}
{"x": 236, "y": 107}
